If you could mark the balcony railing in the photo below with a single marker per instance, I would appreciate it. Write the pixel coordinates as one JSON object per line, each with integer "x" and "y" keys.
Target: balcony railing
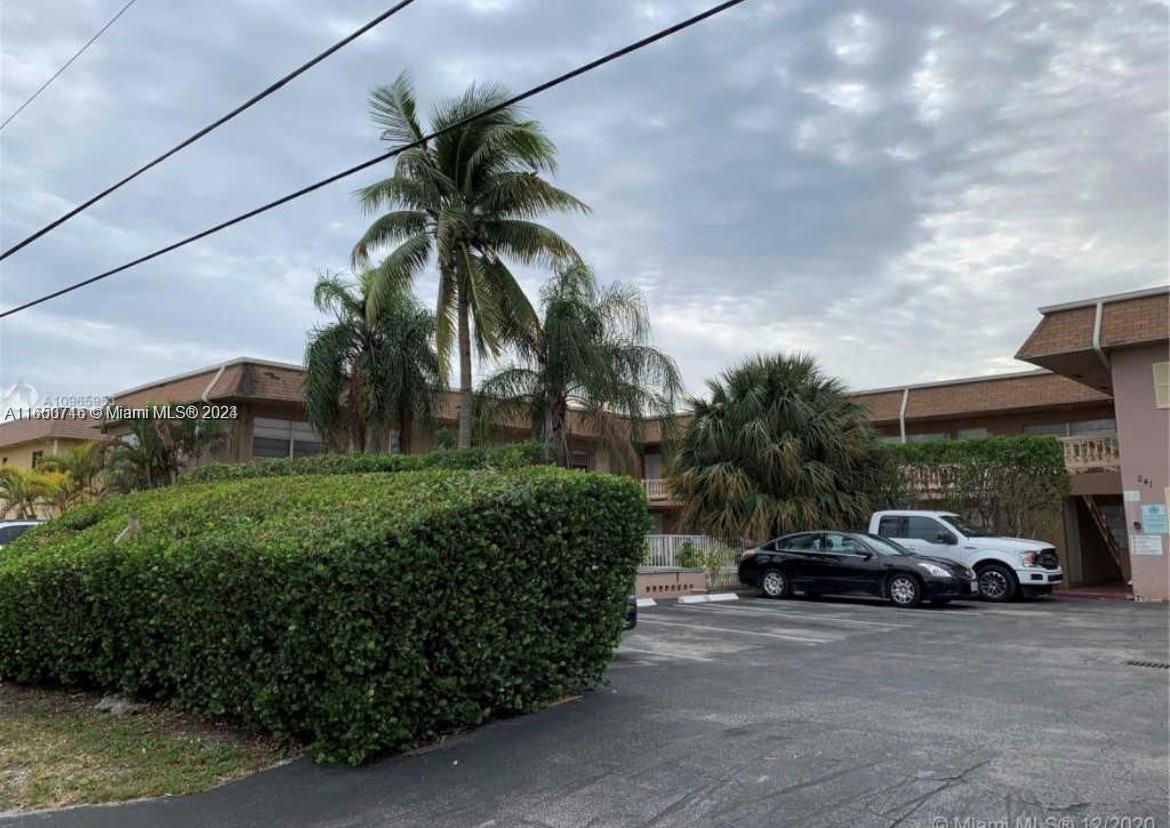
{"x": 1091, "y": 454}
{"x": 656, "y": 489}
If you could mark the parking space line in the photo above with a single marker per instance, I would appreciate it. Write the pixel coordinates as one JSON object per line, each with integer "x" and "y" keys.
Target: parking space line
{"x": 742, "y": 610}
{"x": 799, "y": 639}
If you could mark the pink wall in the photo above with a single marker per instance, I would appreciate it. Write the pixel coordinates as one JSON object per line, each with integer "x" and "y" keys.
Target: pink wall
{"x": 1144, "y": 435}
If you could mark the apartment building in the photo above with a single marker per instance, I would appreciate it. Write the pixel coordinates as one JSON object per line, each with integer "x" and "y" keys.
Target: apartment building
{"x": 1100, "y": 384}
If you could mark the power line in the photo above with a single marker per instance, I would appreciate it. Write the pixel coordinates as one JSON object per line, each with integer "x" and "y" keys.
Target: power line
{"x": 255, "y": 99}
{"x": 76, "y": 55}
{"x": 523, "y": 96}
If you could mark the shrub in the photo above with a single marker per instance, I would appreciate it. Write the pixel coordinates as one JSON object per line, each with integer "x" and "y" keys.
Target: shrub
{"x": 357, "y": 613}
{"x": 1012, "y": 485}
{"x": 689, "y": 556}
{"x": 513, "y": 456}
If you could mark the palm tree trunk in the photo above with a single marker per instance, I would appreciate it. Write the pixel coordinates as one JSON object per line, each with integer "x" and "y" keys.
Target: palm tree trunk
{"x": 466, "y": 398}
{"x": 404, "y": 434}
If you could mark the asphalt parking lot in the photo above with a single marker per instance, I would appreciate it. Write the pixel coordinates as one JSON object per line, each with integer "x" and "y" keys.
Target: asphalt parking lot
{"x": 761, "y": 713}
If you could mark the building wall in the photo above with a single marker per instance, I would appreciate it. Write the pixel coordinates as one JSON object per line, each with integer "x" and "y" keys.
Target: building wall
{"x": 1015, "y": 423}
{"x": 1144, "y": 438}
{"x": 21, "y": 456}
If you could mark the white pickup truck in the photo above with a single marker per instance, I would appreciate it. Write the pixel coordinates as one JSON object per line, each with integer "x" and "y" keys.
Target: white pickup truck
{"x": 1006, "y": 567}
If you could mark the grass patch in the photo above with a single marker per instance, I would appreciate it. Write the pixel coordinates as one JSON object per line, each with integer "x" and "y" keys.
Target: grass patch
{"x": 56, "y": 750}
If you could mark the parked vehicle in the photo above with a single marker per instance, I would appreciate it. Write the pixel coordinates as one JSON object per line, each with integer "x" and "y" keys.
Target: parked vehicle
{"x": 1006, "y": 567}
{"x": 838, "y": 562}
{"x": 10, "y": 530}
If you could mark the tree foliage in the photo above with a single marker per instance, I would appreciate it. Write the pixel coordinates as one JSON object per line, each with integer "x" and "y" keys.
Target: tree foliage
{"x": 156, "y": 447}
{"x": 468, "y": 199}
{"x": 777, "y": 447}
{"x": 1011, "y": 485}
{"x": 589, "y": 358}
{"x": 366, "y": 373}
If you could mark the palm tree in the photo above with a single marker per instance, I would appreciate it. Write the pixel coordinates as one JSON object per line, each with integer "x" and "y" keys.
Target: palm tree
{"x": 22, "y": 490}
{"x": 469, "y": 199}
{"x": 154, "y": 449}
{"x": 590, "y": 353}
{"x": 83, "y": 464}
{"x": 366, "y": 374}
{"x": 777, "y": 448}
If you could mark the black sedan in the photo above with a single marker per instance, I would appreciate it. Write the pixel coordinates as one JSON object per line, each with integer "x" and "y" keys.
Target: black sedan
{"x": 836, "y": 562}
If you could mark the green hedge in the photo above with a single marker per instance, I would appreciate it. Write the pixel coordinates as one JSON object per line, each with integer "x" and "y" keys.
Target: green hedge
{"x": 357, "y": 613}
{"x": 513, "y": 456}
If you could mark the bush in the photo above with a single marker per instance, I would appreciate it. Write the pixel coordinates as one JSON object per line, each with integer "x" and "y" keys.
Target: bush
{"x": 689, "y": 556}
{"x": 357, "y": 613}
{"x": 1012, "y": 485}
{"x": 513, "y": 456}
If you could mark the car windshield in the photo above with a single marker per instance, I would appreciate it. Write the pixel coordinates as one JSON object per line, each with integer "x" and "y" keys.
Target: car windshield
{"x": 965, "y": 527}
{"x": 885, "y": 546}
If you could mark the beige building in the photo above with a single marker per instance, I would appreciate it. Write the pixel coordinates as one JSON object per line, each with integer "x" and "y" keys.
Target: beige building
{"x": 25, "y": 442}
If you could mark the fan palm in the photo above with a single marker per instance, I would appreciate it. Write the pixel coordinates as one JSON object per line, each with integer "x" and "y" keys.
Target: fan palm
{"x": 777, "y": 448}
{"x": 591, "y": 354}
{"x": 469, "y": 199}
{"x": 366, "y": 374}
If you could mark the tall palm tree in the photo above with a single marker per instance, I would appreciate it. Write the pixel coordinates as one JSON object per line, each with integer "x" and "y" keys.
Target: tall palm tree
{"x": 592, "y": 353}
{"x": 366, "y": 374}
{"x": 469, "y": 199}
{"x": 777, "y": 448}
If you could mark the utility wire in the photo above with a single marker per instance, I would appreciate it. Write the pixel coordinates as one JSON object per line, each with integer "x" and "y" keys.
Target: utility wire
{"x": 523, "y": 96}
{"x": 248, "y": 104}
{"x": 76, "y": 55}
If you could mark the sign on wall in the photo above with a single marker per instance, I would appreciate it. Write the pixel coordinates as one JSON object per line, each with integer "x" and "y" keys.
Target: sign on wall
{"x": 1145, "y": 545}
{"x": 1154, "y": 519}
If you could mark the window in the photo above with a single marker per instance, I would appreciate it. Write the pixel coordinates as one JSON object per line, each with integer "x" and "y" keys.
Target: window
{"x": 836, "y": 542}
{"x": 284, "y": 438}
{"x": 801, "y": 543}
{"x": 579, "y": 460}
{"x": 923, "y": 528}
{"x": 1080, "y": 428}
{"x": 10, "y": 533}
{"x": 892, "y": 526}
{"x": 1056, "y": 429}
{"x": 968, "y": 433}
{"x": 36, "y": 458}
{"x": 932, "y": 437}
{"x": 966, "y": 527}
{"x": 1162, "y": 384}
{"x": 885, "y": 546}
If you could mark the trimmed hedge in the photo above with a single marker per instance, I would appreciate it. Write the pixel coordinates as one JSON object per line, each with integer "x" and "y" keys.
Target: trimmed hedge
{"x": 512, "y": 456}
{"x": 357, "y": 613}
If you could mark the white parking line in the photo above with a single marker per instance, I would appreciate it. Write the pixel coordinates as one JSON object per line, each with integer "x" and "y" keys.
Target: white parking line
{"x": 799, "y": 639}
{"x": 743, "y": 610}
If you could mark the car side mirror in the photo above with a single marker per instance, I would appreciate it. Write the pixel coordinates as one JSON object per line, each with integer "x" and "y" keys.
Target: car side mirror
{"x": 866, "y": 555}
{"x": 947, "y": 538}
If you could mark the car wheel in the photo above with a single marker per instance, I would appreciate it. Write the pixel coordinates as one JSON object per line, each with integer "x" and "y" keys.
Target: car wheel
{"x": 775, "y": 584}
{"x": 905, "y": 591}
{"x": 996, "y": 583}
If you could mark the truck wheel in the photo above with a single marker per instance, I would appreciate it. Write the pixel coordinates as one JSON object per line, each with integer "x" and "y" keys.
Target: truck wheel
{"x": 775, "y": 584}
{"x": 905, "y": 591}
{"x": 996, "y": 583}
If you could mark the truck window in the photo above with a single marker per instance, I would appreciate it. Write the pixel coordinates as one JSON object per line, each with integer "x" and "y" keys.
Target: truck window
{"x": 892, "y": 526}
{"x": 923, "y": 528}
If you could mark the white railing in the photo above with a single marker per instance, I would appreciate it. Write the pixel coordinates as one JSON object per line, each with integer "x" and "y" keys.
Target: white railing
{"x": 664, "y": 549}
{"x": 656, "y": 488}
{"x": 1084, "y": 453}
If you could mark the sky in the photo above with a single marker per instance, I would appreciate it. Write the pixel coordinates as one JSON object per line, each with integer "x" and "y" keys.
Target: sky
{"x": 893, "y": 187}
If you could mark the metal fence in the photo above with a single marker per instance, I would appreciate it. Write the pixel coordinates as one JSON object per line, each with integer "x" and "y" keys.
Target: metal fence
{"x": 663, "y": 550}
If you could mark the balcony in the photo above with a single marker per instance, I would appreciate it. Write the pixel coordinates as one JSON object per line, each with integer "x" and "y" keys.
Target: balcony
{"x": 1083, "y": 454}
{"x": 657, "y": 491}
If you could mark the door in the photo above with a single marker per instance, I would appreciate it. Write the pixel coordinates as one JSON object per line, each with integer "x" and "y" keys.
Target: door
{"x": 931, "y": 537}
{"x": 799, "y": 555}
{"x": 856, "y": 568}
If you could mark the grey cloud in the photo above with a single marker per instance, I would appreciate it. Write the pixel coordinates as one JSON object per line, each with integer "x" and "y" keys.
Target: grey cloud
{"x": 895, "y": 195}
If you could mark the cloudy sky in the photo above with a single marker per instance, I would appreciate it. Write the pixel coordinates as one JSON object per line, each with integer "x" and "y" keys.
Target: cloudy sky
{"x": 892, "y": 186}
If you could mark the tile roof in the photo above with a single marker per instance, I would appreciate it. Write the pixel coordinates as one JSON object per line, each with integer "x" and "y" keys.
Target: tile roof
{"x": 1125, "y": 320}
{"x": 66, "y": 426}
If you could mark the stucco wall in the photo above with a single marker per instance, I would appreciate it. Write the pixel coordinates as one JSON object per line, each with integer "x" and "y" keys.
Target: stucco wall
{"x": 1144, "y": 436}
